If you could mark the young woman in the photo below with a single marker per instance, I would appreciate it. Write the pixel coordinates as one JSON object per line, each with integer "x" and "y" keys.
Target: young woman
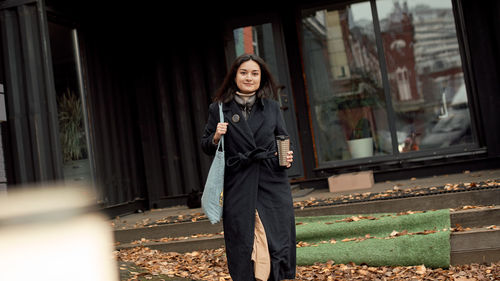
{"x": 258, "y": 215}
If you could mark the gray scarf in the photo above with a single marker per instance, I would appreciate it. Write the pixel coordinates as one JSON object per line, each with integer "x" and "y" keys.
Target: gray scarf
{"x": 245, "y": 102}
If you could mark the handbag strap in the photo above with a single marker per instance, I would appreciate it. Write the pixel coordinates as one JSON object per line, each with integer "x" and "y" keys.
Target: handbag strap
{"x": 221, "y": 116}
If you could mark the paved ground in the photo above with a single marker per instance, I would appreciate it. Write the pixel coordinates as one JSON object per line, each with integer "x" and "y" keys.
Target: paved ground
{"x": 464, "y": 177}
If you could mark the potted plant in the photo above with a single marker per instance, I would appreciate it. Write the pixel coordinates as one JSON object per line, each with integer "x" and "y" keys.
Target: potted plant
{"x": 73, "y": 138}
{"x": 361, "y": 140}
{"x": 354, "y": 109}
{"x": 71, "y": 127}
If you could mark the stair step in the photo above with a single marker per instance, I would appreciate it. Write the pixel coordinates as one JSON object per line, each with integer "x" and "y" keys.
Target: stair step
{"x": 477, "y": 217}
{"x": 477, "y": 238}
{"x": 465, "y": 218}
{"x": 181, "y": 246}
{"x": 170, "y": 230}
{"x": 479, "y": 245}
{"x": 474, "y": 245}
{"x": 414, "y": 203}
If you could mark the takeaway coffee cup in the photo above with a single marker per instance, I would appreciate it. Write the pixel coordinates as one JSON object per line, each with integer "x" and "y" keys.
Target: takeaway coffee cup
{"x": 283, "y": 145}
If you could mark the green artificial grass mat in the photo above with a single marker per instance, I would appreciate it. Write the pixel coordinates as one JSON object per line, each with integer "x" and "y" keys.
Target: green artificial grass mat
{"x": 432, "y": 250}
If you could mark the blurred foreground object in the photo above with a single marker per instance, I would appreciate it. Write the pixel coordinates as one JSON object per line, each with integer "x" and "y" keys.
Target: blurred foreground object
{"x": 54, "y": 233}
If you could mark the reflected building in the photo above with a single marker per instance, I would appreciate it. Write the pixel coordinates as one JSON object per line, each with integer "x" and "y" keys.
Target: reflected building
{"x": 398, "y": 35}
{"x": 423, "y": 65}
{"x": 437, "y": 54}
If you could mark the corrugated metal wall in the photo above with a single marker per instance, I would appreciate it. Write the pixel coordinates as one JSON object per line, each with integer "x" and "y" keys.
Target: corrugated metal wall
{"x": 116, "y": 142}
{"x": 147, "y": 98}
{"x": 148, "y": 104}
{"x": 184, "y": 83}
{"x": 29, "y": 93}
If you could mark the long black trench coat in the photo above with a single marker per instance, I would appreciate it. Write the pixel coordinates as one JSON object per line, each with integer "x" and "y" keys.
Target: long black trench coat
{"x": 254, "y": 180}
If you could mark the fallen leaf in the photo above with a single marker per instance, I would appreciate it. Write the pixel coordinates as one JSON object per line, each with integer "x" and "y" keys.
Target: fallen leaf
{"x": 421, "y": 270}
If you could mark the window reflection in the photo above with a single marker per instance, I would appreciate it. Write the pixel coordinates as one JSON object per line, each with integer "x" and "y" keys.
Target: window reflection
{"x": 259, "y": 40}
{"x": 345, "y": 83}
{"x": 425, "y": 79}
{"x": 72, "y": 132}
{"x": 425, "y": 73}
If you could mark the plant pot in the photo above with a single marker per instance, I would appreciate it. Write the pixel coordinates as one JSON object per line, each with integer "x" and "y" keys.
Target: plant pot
{"x": 360, "y": 148}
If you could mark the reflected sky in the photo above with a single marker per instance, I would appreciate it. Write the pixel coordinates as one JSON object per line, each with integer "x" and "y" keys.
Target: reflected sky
{"x": 362, "y": 11}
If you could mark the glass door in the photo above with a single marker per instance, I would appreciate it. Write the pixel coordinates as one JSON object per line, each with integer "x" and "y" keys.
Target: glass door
{"x": 71, "y": 105}
{"x": 265, "y": 39}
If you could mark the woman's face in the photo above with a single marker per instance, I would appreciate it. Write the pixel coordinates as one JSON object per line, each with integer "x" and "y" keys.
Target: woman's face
{"x": 248, "y": 77}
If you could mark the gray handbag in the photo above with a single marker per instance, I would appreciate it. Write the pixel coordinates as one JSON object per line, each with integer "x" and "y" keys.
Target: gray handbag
{"x": 212, "y": 198}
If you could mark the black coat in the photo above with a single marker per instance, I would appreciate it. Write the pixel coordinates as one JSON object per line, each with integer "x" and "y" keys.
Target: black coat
{"x": 254, "y": 180}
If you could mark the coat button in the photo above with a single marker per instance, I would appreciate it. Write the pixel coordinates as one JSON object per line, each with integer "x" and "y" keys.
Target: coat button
{"x": 235, "y": 118}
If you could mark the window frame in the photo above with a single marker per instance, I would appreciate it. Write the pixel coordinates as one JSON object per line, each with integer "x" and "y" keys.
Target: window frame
{"x": 477, "y": 147}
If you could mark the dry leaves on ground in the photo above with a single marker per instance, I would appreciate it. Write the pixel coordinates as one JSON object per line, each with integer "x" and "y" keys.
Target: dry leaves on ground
{"x": 211, "y": 265}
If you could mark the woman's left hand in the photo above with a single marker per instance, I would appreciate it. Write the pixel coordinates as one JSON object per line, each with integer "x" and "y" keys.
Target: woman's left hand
{"x": 289, "y": 158}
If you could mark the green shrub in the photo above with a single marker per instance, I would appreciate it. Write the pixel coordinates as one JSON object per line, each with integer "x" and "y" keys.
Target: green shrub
{"x": 71, "y": 126}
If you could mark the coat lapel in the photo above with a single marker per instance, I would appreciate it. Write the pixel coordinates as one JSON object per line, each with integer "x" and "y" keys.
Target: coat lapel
{"x": 231, "y": 109}
{"x": 256, "y": 117}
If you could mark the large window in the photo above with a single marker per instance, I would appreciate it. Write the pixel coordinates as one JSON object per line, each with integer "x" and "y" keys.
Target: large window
{"x": 384, "y": 87}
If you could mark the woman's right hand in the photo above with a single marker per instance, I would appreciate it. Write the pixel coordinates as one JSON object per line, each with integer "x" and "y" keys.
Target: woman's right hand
{"x": 220, "y": 130}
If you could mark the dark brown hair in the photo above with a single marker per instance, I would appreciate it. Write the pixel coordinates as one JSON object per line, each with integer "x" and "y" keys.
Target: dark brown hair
{"x": 267, "y": 88}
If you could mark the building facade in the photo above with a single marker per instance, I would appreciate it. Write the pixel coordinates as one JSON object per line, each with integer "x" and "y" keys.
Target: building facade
{"x": 116, "y": 95}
